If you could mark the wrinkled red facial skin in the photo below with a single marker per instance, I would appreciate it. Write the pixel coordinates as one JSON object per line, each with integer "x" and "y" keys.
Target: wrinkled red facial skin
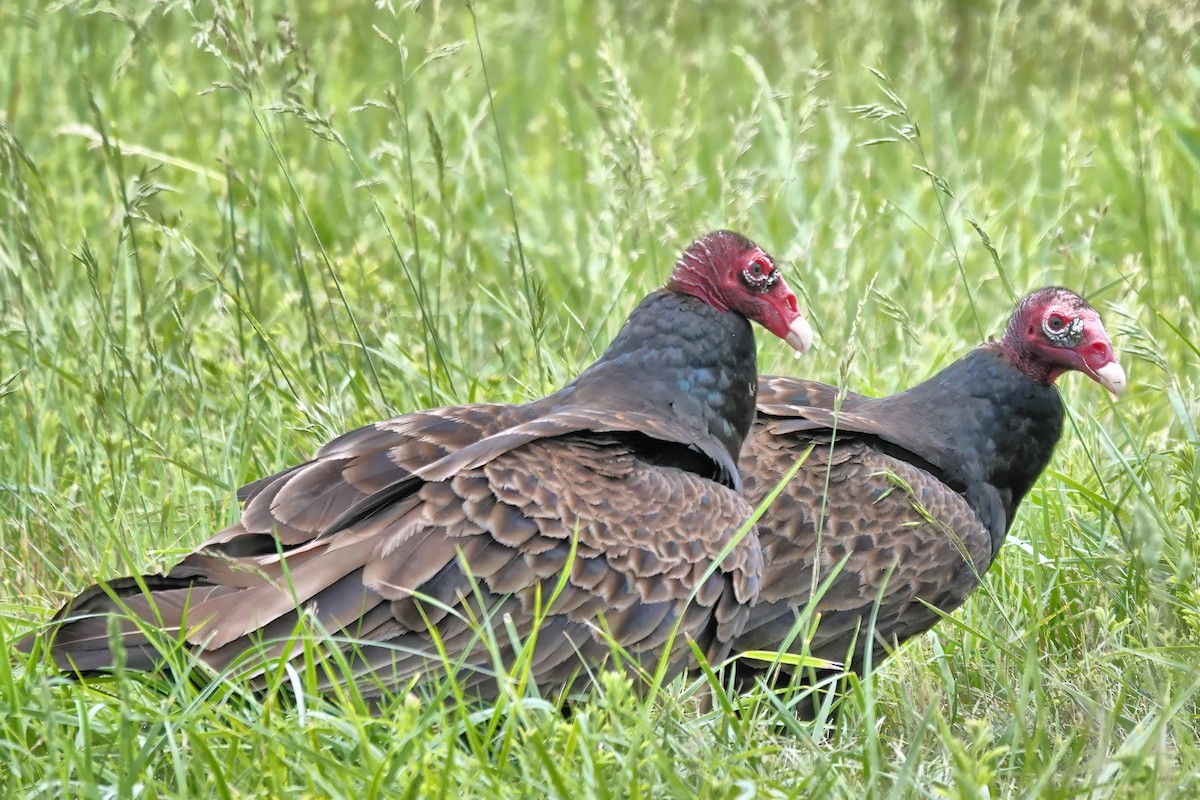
{"x": 1039, "y": 355}
{"x": 716, "y": 269}
{"x": 774, "y": 309}
{"x": 1089, "y": 355}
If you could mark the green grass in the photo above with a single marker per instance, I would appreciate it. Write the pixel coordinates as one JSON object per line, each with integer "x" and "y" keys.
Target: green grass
{"x": 228, "y": 233}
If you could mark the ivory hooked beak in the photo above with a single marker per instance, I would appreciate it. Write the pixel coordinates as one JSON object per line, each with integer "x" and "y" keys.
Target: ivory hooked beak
{"x": 800, "y": 336}
{"x": 1112, "y": 377}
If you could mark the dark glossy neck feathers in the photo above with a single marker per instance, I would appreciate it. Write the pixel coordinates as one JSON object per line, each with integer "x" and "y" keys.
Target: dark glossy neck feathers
{"x": 677, "y": 357}
{"x": 987, "y": 421}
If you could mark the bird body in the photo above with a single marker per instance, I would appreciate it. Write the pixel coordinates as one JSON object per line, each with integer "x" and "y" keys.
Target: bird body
{"x": 599, "y": 512}
{"x": 904, "y": 501}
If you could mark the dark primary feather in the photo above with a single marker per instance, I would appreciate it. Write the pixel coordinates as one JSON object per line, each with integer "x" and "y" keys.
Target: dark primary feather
{"x": 914, "y": 493}
{"x": 413, "y": 530}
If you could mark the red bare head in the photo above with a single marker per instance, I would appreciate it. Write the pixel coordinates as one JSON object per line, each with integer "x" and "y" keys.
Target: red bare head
{"x": 732, "y": 273}
{"x": 1055, "y": 330}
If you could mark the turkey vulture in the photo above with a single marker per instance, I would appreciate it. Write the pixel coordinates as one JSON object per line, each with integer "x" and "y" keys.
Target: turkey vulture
{"x": 914, "y": 493}
{"x": 404, "y": 538}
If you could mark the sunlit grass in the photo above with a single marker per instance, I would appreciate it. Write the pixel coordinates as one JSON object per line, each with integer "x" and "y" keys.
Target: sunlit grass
{"x": 229, "y": 231}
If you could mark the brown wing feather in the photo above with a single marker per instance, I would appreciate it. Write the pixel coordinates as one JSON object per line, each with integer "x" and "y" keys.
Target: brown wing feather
{"x": 905, "y": 538}
{"x": 302, "y": 502}
{"x": 637, "y": 580}
{"x": 646, "y": 535}
{"x": 299, "y": 503}
{"x": 782, "y": 395}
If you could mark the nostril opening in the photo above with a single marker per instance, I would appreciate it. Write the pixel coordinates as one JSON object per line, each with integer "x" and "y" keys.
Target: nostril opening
{"x": 1097, "y": 354}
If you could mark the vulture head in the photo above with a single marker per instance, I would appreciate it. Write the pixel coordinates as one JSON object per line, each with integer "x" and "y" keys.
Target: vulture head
{"x": 732, "y": 273}
{"x": 1053, "y": 331}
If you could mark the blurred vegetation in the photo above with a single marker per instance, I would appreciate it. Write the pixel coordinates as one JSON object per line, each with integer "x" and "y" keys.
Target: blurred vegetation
{"x": 230, "y": 230}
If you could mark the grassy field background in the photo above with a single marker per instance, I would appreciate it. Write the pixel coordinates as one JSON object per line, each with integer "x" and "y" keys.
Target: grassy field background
{"x": 231, "y": 230}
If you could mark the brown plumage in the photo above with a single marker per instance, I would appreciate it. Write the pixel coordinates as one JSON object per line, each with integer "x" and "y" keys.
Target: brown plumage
{"x": 421, "y": 531}
{"x": 913, "y": 492}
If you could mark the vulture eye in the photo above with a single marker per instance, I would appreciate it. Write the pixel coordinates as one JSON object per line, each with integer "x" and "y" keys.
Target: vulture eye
{"x": 760, "y": 275}
{"x": 1063, "y": 330}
